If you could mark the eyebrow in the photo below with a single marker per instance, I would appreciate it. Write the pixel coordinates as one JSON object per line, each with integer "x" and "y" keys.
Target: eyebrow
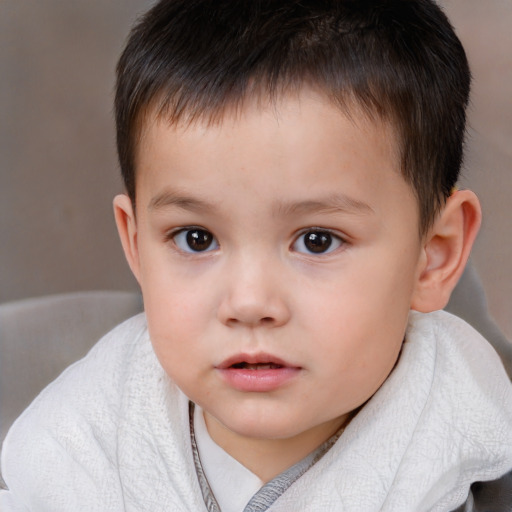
{"x": 334, "y": 203}
{"x": 169, "y": 198}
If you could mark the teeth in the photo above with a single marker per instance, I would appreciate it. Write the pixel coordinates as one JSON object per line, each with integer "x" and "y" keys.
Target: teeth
{"x": 257, "y": 366}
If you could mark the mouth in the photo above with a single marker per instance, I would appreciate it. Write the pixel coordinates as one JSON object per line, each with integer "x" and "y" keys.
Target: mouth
{"x": 256, "y": 366}
{"x": 254, "y": 362}
{"x": 257, "y": 373}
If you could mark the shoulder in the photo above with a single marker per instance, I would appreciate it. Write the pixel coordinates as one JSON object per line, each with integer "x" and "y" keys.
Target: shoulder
{"x": 94, "y": 380}
{"x": 69, "y": 431}
{"x": 469, "y": 382}
{"x": 457, "y": 345}
{"x": 470, "y": 400}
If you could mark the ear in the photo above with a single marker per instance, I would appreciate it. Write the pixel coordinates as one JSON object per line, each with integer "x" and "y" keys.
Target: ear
{"x": 445, "y": 251}
{"x": 127, "y": 228}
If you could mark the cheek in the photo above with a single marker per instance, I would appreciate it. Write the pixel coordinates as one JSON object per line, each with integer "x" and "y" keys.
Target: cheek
{"x": 359, "y": 322}
{"x": 358, "y": 352}
{"x": 171, "y": 292}
{"x": 175, "y": 334}
{"x": 178, "y": 315}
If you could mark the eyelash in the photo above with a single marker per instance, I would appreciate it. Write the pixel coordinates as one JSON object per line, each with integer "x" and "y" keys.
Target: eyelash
{"x": 187, "y": 231}
{"x": 334, "y": 239}
{"x": 182, "y": 238}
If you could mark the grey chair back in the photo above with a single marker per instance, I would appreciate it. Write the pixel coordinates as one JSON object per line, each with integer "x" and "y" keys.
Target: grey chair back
{"x": 40, "y": 337}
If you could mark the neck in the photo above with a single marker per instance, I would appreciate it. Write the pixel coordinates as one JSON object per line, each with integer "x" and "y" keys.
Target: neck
{"x": 267, "y": 458}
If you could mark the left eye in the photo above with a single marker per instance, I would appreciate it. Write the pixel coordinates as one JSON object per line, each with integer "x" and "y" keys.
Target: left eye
{"x": 316, "y": 241}
{"x": 195, "y": 240}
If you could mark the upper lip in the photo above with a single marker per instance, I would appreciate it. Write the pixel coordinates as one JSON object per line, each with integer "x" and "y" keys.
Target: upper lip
{"x": 261, "y": 357}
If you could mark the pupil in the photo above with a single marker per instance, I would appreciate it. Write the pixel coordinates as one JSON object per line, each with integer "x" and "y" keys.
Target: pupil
{"x": 318, "y": 241}
{"x": 199, "y": 240}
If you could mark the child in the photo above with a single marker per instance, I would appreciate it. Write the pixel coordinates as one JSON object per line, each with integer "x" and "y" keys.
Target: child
{"x": 292, "y": 221}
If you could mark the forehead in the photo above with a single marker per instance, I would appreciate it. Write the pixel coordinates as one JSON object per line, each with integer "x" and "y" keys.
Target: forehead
{"x": 161, "y": 114}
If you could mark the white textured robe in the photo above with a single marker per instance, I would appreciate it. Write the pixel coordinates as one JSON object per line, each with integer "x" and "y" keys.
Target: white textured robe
{"x": 112, "y": 433}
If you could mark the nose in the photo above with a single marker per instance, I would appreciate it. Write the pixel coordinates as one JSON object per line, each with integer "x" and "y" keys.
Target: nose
{"x": 254, "y": 295}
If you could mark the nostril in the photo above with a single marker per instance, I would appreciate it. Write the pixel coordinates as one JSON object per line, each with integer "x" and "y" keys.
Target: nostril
{"x": 236, "y": 310}
{"x": 267, "y": 320}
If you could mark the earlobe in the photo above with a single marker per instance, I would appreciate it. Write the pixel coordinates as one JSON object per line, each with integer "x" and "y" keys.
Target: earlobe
{"x": 127, "y": 229}
{"x": 445, "y": 251}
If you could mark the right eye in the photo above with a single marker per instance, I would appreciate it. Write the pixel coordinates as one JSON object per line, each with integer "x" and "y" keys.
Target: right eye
{"x": 193, "y": 240}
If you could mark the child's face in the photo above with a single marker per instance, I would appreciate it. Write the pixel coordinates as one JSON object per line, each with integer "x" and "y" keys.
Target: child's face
{"x": 278, "y": 254}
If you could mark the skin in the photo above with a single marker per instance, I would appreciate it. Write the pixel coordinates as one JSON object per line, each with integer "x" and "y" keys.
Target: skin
{"x": 261, "y": 182}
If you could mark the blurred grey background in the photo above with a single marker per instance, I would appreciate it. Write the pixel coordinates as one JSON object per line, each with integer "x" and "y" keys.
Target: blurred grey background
{"x": 58, "y": 169}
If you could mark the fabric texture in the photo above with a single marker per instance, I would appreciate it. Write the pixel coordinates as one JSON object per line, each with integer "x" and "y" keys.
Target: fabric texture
{"x": 233, "y": 488}
{"x": 226, "y": 485}
{"x": 112, "y": 433}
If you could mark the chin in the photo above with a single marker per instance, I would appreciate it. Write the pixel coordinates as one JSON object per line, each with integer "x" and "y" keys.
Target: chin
{"x": 263, "y": 425}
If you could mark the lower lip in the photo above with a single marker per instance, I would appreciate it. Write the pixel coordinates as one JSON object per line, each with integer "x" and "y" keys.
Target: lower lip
{"x": 258, "y": 381}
